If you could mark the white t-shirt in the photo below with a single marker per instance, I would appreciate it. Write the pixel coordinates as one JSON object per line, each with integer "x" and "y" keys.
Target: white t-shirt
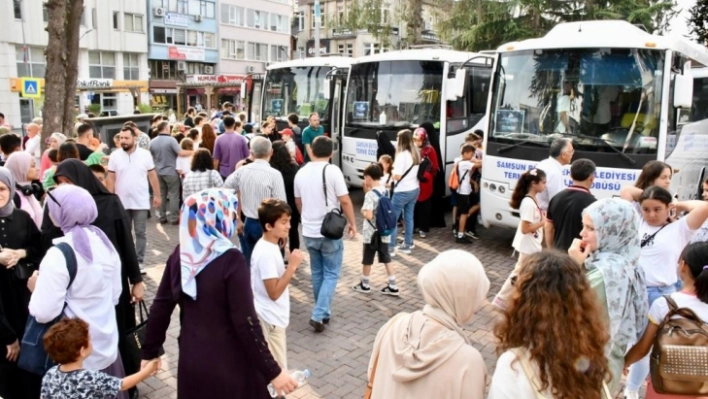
{"x": 266, "y": 264}
{"x": 554, "y": 181}
{"x": 660, "y": 256}
{"x": 464, "y": 168}
{"x": 33, "y": 147}
{"x": 603, "y": 115}
{"x": 404, "y": 160}
{"x": 184, "y": 164}
{"x": 131, "y": 170}
{"x": 528, "y": 243}
{"x": 563, "y": 106}
{"x": 385, "y": 179}
{"x": 660, "y": 308}
{"x": 308, "y": 187}
{"x": 510, "y": 380}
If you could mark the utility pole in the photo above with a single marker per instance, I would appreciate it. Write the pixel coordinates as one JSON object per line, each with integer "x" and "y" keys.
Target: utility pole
{"x": 317, "y": 28}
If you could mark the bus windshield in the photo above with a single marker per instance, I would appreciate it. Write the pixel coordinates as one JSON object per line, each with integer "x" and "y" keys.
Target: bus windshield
{"x": 394, "y": 93}
{"x": 298, "y": 90}
{"x": 699, "y": 109}
{"x": 595, "y": 96}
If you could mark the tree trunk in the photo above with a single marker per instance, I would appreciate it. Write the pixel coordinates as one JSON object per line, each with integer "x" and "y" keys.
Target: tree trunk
{"x": 73, "y": 28}
{"x": 414, "y": 21}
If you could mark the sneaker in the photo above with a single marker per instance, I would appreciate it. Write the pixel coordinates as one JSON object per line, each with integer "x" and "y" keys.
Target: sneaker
{"x": 423, "y": 234}
{"x": 387, "y": 290}
{"x": 318, "y": 326}
{"x": 472, "y": 235}
{"x": 142, "y": 268}
{"x": 362, "y": 288}
{"x": 404, "y": 249}
{"x": 325, "y": 320}
{"x": 463, "y": 240}
{"x": 392, "y": 253}
{"x": 630, "y": 394}
{"x": 454, "y": 232}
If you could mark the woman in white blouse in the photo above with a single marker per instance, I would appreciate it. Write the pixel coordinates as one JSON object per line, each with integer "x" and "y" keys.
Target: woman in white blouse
{"x": 405, "y": 188}
{"x": 97, "y": 286}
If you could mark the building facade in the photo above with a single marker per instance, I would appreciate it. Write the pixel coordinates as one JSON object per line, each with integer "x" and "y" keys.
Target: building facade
{"x": 336, "y": 38}
{"x": 113, "y": 69}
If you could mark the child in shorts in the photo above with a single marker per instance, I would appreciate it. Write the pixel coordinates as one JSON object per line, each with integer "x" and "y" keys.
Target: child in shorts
{"x": 372, "y": 178}
{"x": 68, "y": 344}
{"x": 464, "y": 171}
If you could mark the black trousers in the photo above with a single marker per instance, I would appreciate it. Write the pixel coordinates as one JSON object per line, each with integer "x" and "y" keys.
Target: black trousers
{"x": 294, "y": 235}
{"x": 423, "y": 214}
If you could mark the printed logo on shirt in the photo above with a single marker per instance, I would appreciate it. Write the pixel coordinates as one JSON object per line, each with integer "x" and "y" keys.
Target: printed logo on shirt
{"x": 648, "y": 240}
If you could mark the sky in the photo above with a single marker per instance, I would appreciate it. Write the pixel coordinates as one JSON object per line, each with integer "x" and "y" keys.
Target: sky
{"x": 679, "y": 25}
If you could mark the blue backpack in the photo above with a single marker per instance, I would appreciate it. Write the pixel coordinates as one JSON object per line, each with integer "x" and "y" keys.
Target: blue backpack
{"x": 385, "y": 217}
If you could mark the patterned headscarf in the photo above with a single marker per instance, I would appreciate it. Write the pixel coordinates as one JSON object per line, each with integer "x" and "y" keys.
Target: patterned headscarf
{"x": 420, "y": 132}
{"x": 617, "y": 258}
{"x": 207, "y": 222}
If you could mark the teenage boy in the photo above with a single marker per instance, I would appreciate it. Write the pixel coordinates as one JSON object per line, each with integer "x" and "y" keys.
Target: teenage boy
{"x": 372, "y": 178}
{"x": 464, "y": 170}
{"x": 270, "y": 279}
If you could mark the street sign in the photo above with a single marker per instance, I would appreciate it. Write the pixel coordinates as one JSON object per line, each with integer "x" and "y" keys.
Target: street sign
{"x": 31, "y": 88}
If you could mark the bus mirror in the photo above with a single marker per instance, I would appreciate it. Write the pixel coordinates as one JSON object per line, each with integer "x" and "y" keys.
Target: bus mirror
{"x": 683, "y": 90}
{"x": 326, "y": 88}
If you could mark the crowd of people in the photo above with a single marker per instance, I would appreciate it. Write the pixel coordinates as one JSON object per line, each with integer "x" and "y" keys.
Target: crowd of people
{"x": 606, "y": 270}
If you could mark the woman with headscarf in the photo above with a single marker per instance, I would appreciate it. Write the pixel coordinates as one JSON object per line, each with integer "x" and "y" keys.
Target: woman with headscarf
{"x": 423, "y": 208}
{"x": 222, "y": 350}
{"x": 24, "y": 169}
{"x": 609, "y": 248}
{"x": 19, "y": 257}
{"x": 55, "y": 140}
{"x": 112, "y": 220}
{"x": 439, "y": 205}
{"x": 426, "y": 354}
{"x": 96, "y": 287}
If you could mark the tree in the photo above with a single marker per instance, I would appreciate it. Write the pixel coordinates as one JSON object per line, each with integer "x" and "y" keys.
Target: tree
{"x": 62, "y": 65}
{"x": 698, "y": 21}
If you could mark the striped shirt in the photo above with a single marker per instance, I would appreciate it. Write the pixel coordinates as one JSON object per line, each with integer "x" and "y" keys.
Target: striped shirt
{"x": 256, "y": 182}
{"x": 196, "y": 181}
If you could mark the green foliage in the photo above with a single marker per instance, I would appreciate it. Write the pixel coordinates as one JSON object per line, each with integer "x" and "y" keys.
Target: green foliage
{"x": 377, "y": 18}
{"x": 95, "y": 109}
{"x": 145, "y": 108}
{"x": 698, "y": 21}
{"x": 486, "y": 24}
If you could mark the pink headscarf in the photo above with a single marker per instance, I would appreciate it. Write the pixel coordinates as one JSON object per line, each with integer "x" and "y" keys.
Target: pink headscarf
{"x": 19, "y": 164}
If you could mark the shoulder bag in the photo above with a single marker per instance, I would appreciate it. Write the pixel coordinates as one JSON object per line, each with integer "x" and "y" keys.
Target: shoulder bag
{"x": 135, "y": 337}
{"x": 33, "y": 357}
{"x": 370, "y": 382}
{"x": 334, "y": 221}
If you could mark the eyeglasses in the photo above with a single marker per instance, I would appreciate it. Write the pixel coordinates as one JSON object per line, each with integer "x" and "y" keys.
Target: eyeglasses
{"x": 49, "y": 193}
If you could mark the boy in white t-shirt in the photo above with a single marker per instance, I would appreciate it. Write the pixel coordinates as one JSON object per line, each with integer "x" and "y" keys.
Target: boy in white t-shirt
{"x": 464, "y": 172}
{"x": 270, "y": 279}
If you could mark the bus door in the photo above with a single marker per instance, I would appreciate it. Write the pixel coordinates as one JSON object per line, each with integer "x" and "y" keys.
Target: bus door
{"x": 337, "y": 80}
{"x": 253, "y": 101}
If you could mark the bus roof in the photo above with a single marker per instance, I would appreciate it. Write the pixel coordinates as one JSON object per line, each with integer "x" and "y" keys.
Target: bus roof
{"x": 417, "y": 55}
{"x": 607, "y": 34}
{"x": 339, "y": 62}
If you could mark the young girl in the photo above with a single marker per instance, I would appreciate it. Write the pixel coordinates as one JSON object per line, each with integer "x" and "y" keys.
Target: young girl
{"x": 529, "y": 234}
{"x": 386, "y": 163}
{"x": 662, "y": 241}
{"x": 184, "y": 164}
{"x": 694, "y": 296}
{"x": 68, "y": 343}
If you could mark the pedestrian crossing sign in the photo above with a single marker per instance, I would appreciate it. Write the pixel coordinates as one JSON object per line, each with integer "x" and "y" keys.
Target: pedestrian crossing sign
{"x": 30, "y": 88}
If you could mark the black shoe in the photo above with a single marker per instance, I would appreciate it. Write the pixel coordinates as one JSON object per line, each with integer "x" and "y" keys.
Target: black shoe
{"x": 463, "y": 240}
{"x": 134, "y": 393}
{"x": 318, "y": 326}
{"x": 163, "y": 221}
{"x": 472, "y": 234}
{"x": 387, "y": 290}
{"x": 175, "y": 223}
{"x": 325, "y": 321}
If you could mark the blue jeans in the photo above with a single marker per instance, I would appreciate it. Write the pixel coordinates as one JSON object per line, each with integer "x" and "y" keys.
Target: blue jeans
{"x": 639, "y": 371}
{"x": 252, "y": 232}
{"x": 325, "y": 264}
{"x": 404, "y": 202}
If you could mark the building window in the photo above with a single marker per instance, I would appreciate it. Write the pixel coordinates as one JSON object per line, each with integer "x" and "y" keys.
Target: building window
{"x": 350, "y": 49}
{"x": 116, "y": 18}
{"x": 257, "y": 19}
{"x": 17, "y": 5}
{"x": 373, "y": 48}
{"x": 209, "y": 40}
{"x": 102, "y": 65}
{"x": 133, "y": 23}
{"x": 232, "y": 15}
{"x": 340, "y": 13}
{"x": 30, "y": 64}
{"x": 182, "y": 6}
{"x": 340, "y": 49}
{"x": 385, "y": 9}
{"x": 45, "y": 12}
{"x": 279, "y": 23}
{"x": 233, "y": 49}
{"x": 207, "y": 8}
{"x": 131, "y": 68}
{"x": 257, "y": 52}
{"x": 278, "y": 53}
{"x": 83, "y": 16}
{"x": 182, "y": 37}
{"x": 314, "y": 20}
{"x": 163, "y": 70}
{"x": 179, "y": 36}
{"x": 301, "y": 21}
{"x": 195, "y": 68}
{"x": 300, "y": 53}
{"x": 159, "y": 35}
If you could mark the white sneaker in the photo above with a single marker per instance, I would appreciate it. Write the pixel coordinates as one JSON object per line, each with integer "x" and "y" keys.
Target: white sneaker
{"x": 630, "y": 394}
{"x": 142, "y": 268}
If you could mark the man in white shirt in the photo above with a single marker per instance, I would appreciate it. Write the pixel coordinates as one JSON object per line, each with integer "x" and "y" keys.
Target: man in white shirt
{"x": 603, "y": 114}
{"x": 325, "y": 254}
{"x": 561, "y": 154}
{"x": 563, "y": 108}
{"x": 34, "y": 143}
{"x": 127, "y": 170}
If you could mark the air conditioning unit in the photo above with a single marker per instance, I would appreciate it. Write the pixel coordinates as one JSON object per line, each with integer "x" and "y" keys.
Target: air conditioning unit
{"x": 209, "y": 70}
{"x": 251, "y": 68}
{"x": 158, "y": 12}
{"x": 181, "y": 66}
{"x": 198, "y": 18}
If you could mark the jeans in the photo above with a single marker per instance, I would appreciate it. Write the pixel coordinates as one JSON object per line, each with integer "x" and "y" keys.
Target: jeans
{"x": 404, "y": 203}
{"x": 639, "y": 371}
{"x": 325, "y": 264}
{"x": 252, "y": 232}
{"x": 169, "y": 193}
{"x": 138, "y": 222}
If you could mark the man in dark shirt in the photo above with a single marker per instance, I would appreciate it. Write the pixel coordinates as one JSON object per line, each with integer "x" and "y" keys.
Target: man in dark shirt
{"x": 564, "y": 220}
{"x": 85, "y": 134}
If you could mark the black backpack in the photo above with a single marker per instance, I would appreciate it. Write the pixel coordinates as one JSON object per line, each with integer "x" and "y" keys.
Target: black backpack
{"x": 425, "y": 166}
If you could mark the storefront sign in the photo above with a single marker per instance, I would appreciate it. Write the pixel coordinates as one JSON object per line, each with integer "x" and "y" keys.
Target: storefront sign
{"x": 176, "y": 19}
{"x": 186, "y": 53}
{"x": 324, "y": 47}
{"x": 94, "y": 83}
{"x": 214, "y": 79}
{"x": 429, "y": 35}
{"x": 163, "y": 91}
{"x": 342, "y": 33}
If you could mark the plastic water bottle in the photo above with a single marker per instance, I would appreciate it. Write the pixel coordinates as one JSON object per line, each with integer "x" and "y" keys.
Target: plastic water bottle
{"x": 300, "y": 376}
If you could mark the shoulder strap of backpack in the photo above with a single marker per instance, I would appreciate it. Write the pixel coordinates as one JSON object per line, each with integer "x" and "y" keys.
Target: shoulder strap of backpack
{"x": 70, "y": 258}
{"x": 685, "y": 313}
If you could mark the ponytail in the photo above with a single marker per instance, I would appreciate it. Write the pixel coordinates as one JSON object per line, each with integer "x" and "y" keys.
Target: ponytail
{"x": 695, "y": 256}
{"x": 523, "y": 185}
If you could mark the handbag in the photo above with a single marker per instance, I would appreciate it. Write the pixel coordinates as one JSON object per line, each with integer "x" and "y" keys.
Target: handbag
{"x": 522, "y": 357}
{"x": 23, "y": 270}
{"x": 334, "y": 221}
{"x": 370, "y": 382}
{"x": 135, "y": 337}
{"x": 33, "y": 357}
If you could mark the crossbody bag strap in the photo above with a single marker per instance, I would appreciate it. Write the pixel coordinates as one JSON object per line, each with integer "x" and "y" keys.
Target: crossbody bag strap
{"x": 522, "y": 357}
{"x": 324, "y": 184}
{"x": 393, "y": 186}
{"x": 645, "y": 241}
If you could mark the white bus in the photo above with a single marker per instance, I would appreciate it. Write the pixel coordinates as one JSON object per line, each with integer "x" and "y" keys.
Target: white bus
{"x": 620, "y": 87}
{"x": 302, "y": 87}
{"x": 400, "y": 90}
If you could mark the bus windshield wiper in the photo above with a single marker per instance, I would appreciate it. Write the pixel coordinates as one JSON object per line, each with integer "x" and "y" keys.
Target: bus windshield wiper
{"x": 607, "y": 144}
{"x": 520, "y": 143}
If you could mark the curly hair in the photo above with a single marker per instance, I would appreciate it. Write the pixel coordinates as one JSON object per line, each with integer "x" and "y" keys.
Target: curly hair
{"x": 281, "y": 158}
{"x": 208, "y": 138}
{"x": 64, "y": 340}
{"x": 202, "y": 161}
{"x": 555, "y": 316}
